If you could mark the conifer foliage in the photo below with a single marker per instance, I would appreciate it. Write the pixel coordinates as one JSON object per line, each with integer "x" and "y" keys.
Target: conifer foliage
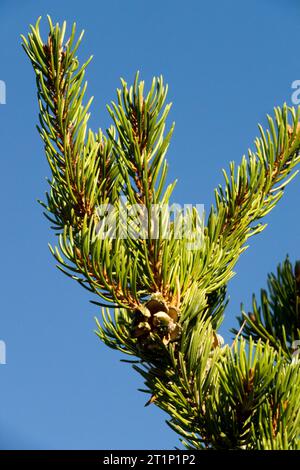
{"x": 162, "y": 289}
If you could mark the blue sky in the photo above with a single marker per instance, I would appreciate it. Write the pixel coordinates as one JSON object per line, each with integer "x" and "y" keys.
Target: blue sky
{"x": 227, "y": 65}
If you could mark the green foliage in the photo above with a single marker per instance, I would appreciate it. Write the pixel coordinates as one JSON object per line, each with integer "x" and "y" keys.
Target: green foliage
{"x": 277, "y": 319}
{"x": 161, "y": 282}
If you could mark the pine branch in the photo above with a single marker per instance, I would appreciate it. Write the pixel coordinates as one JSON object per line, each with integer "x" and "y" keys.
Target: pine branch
{"x": 277, "y": 319}
{"x": 251, "y": 191}
{"x": 166, "y": 279}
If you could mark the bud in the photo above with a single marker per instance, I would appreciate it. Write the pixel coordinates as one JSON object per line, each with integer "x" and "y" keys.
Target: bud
{"x": 252, "y": 317}
{"x": 218, "y": 340}
{"x": 290, "y": 129}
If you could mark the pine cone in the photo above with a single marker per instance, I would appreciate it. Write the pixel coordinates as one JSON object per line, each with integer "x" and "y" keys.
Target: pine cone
{"x": 156, "y": 318}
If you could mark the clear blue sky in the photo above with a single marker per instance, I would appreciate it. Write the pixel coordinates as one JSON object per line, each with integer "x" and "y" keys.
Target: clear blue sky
{"x": 227, "y": 65}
